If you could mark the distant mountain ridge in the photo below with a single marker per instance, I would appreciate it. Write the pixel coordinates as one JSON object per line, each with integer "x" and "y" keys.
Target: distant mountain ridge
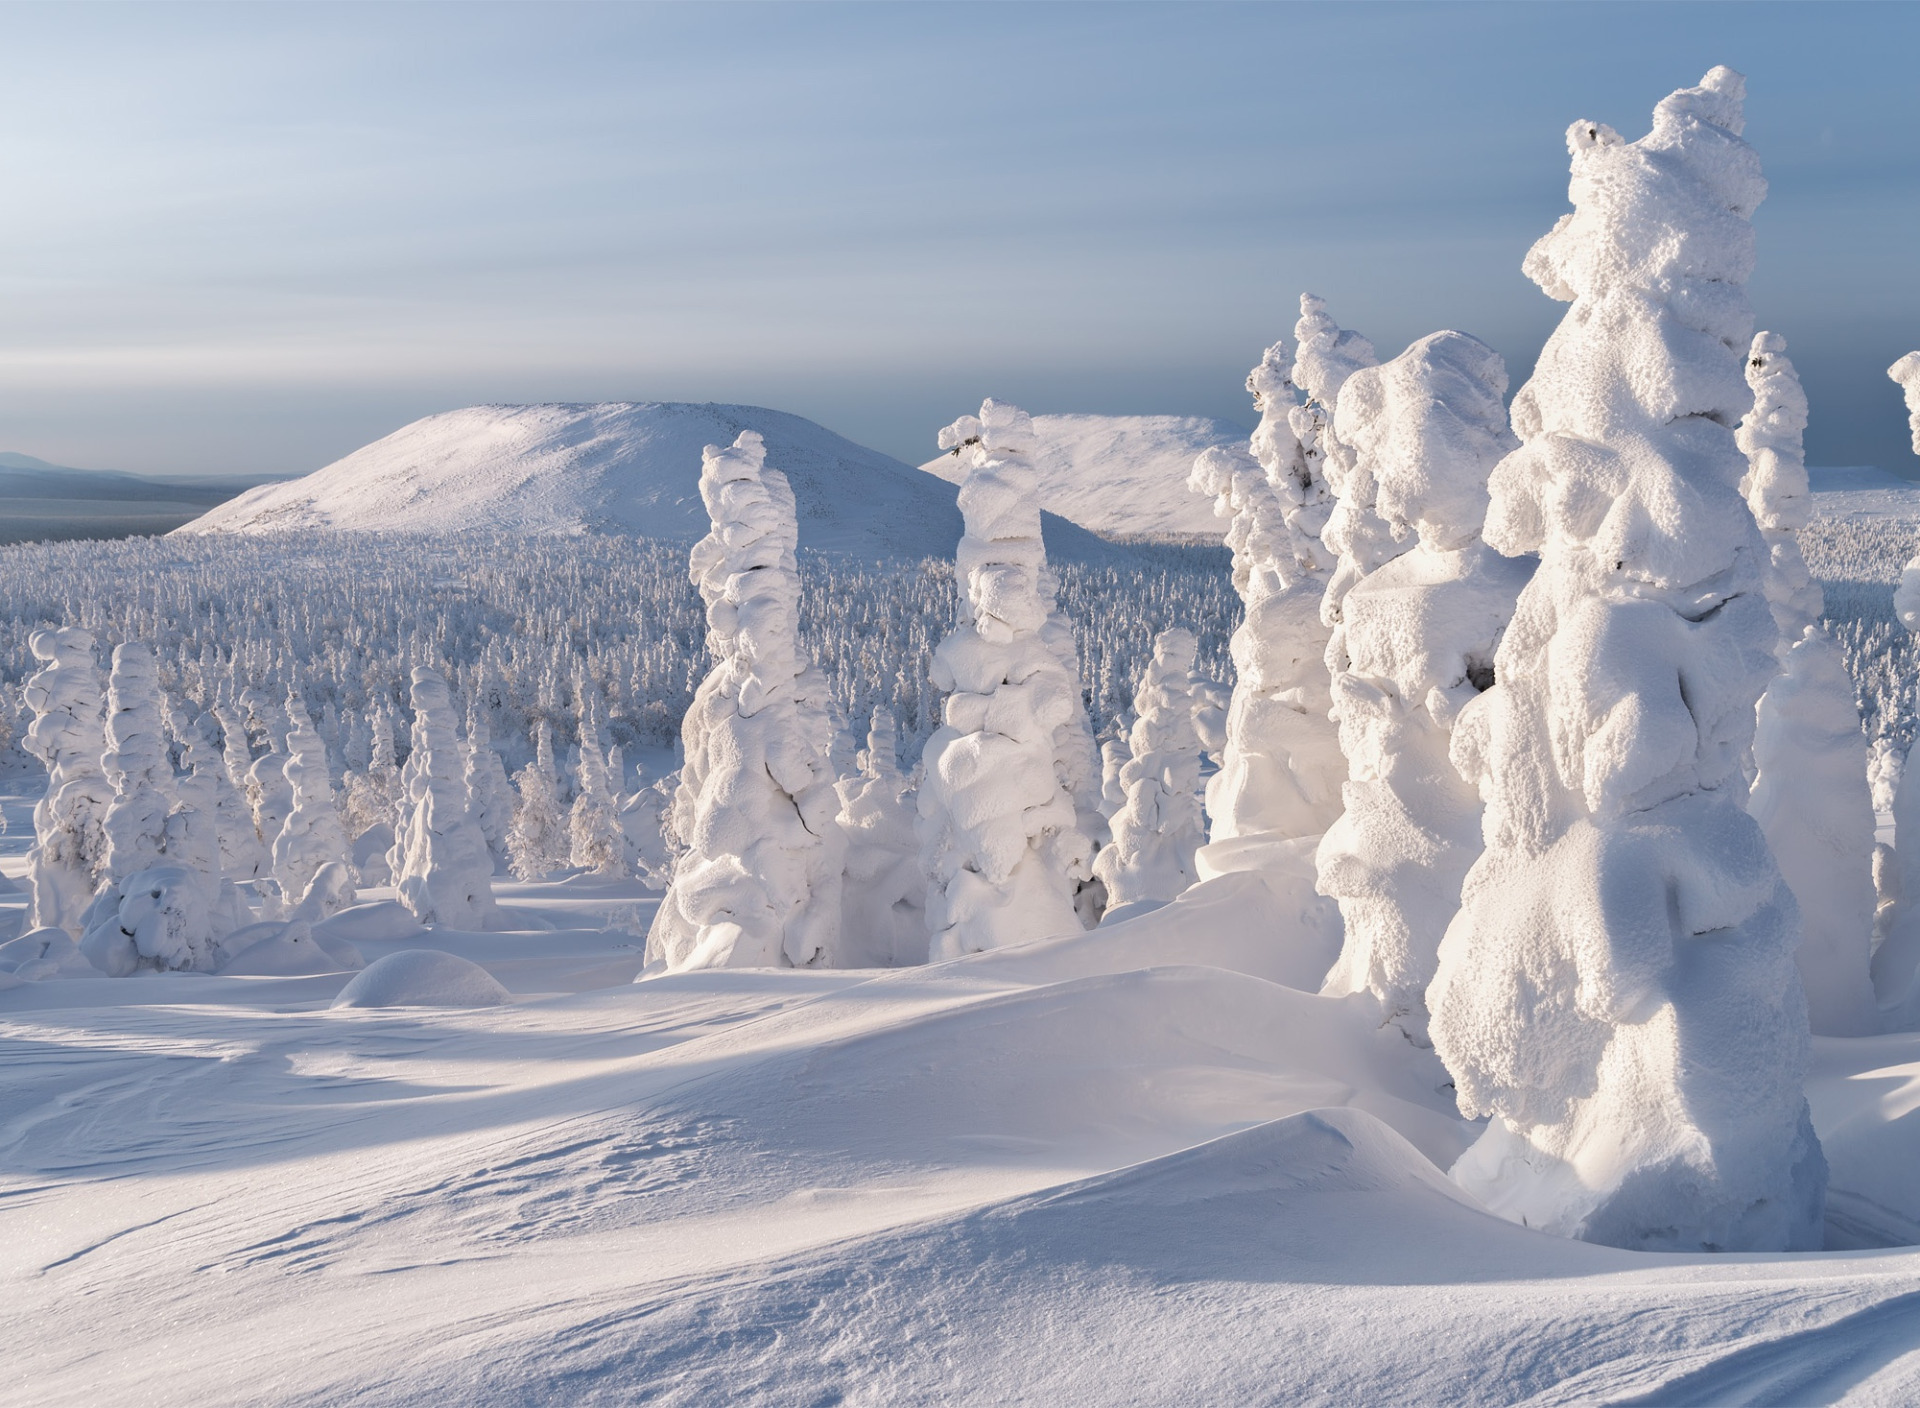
{"x": 625, "y": 466}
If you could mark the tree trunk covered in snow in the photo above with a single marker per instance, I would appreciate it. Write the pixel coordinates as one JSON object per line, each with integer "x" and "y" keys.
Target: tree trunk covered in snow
{"x": 1619, "y": 992}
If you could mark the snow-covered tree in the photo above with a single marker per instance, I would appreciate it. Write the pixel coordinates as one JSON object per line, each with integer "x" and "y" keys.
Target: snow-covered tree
{"x": 1619, "y": 992}
{"x": 1279, "y": 778}
{"x": 1159, "y": 828}
{"x": 489, "y": 794}
{"x": 884, "y": 892}
{"x": 244, "y": 857}
{"x": 759, "y": 883}
{"x": 595, "y": 841}
{"x": 1897, "y": 960}
{"x": 1415, "y": 643}
{"x": 136, "y": 762}
{"x": 1114, "y": 753}
{"x": 163, "y": 904}
{"x": 999, "y": 834}
{"x": 537, "y": 841}
{"x": 312, "y": 835}
{"x": 446, "y": 875}
{"x": 70, "y": 844}
{"x": 1810, "y": 791}
{"x": 642, "y": 816}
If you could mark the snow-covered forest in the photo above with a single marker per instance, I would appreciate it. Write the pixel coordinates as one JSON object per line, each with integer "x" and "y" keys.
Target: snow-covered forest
{"x": 1456, "y": 910}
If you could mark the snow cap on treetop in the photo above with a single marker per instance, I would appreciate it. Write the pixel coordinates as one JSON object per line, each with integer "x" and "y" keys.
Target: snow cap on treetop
{"x": 1428, "y": 424}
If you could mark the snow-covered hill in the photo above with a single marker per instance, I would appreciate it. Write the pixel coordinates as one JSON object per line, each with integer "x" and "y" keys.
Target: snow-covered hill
{"x": 628, "y": 467}
{"x": 1122, "y": 474}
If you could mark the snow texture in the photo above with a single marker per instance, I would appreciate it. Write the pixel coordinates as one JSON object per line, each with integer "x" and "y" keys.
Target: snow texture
{"x": 1280, "y": 774}
{"x": 1158, "y": 827}
{"x": 445, "y": 874}
{"x": 70, "y": 842}
{"x": 1414, "y": 644}
{"x": 1810, "y": 789}
{"x": 1000, "y": 836}
{"x": 759, "y": 883}
{"x": 1618, "y": 992}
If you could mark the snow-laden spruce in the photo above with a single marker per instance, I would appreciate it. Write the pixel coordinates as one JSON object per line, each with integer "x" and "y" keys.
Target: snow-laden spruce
{"x": 595, "y": 842}
{"x": 537, "y": 841}
{"x": 70, "y": 844}
{"x": 311, "y": 837}
{"x": 1897, "y": 961}
{"x": 1416, "y": 636}
{"x": 759, "y": 883}
{"x": 1158, "y": 827}
{"x": 1810, "y": 791}
{"x": 445, "y": 875}
{"x": 884, "y": 894}
{"x": 1280, "y": 774}
{"x": 243, "y": 858}
{"x": 489, "y": 794}
{"x": 1000, "y": 839}
{"x": 163, "y": 904}
{"x": 1618, "y": 992}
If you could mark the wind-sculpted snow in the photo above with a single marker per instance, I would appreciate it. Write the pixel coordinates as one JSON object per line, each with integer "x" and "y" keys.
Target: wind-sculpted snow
{"x": 1618, "y": 992}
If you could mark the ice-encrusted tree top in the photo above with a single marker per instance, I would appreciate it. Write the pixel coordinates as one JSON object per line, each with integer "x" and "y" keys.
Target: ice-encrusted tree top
{"x": 1906, "y": 597}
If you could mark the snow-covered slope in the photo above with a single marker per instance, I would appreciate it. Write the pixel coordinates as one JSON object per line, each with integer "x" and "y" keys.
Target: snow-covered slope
{"x": 628, "y": 467}
{"x": 1121, "y": 474}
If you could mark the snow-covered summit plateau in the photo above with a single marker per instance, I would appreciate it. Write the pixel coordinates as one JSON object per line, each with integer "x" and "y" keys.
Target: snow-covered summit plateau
{"x": 1120, "y": 474}
{"x": 617, "y": 466}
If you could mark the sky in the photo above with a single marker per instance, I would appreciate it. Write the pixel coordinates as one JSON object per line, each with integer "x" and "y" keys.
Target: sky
{"x": 251, "y": 238}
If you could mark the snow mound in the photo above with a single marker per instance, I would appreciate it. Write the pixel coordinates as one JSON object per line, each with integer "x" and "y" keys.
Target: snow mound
{"x": 422, "y": 977}
{"x": 1120, "y": 474}
{"x": 622, "y": 467}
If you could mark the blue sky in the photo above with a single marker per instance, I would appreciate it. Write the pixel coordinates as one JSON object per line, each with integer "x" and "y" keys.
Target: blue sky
{"x": 252, "y": 238}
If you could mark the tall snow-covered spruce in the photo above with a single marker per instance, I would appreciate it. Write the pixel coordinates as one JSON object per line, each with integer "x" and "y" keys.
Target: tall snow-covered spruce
{"x": 1810, "y": 791}
{"x": 70, "y": 842}
{"x": 1158, "y": 826}
{"x": 1279, "y": 778}
{"x": 1618, "y": 991}
{"x": 1000, "y": 837}
{"x": 1897, "y": 960}
{"x": 444, "y": 873}
{"x": 759, "y": 883}
{"x": 1415, "y": 644}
